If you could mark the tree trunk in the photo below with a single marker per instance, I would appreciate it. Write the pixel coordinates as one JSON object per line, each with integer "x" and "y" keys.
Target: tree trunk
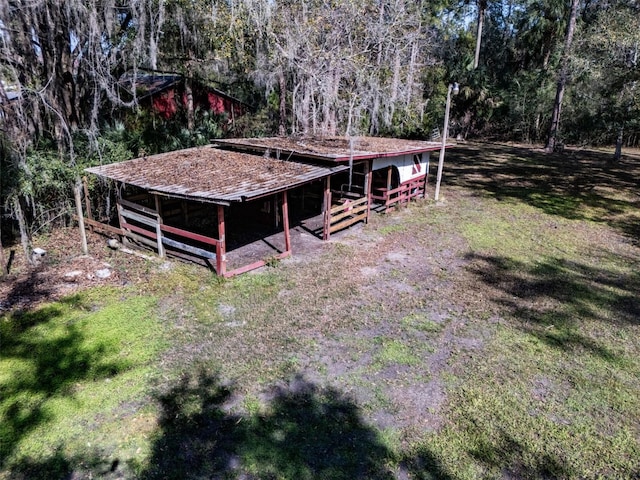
{"x": 304, "y": 109}
{"x": 482, "y": 6}
{"x": 282, "y": 129}
{"x": 552, "y": 138}
{"x": 562, "y": 79}
{"x": 22, "y": 225}
{"x": 3, "y": 260}
{"x": 327, "y": 99}
{"x": 188, "y": 89}
{"x": 294, "y": 109}
{"x": 618, "y": 153}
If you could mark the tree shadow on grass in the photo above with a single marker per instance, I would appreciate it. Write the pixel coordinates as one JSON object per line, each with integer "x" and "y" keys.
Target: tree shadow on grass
{"x": 26, "y": 292}
{"x": 505, "y": 454}
{"x": 564, "y": 184}
{"x": 60, "y": 466}
{"x": 302, "y": 432}
{"x": 45, "y": 358}
{"x": 552, "y": 297}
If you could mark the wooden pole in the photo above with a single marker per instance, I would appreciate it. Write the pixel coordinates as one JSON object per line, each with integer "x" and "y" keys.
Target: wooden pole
{"x": 387, "y": 194}
{"x": 445, "y": 133}
{"x": 77, "y": 193}
{"x": 327, "y": 209}
{"x": 221, "y": 249}
{"x": 285, "y": 222}
{"x": 87, "y": 201}
{"x": 161, "y": 251}
{"x": 125, "y": 239}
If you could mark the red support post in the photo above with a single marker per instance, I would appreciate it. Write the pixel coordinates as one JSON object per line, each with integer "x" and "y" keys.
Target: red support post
{"x": 368, "y": 190}
{"x": 221, "y": 247}
{"x": 285, "y": 222}
{"x": 426, "y": 174}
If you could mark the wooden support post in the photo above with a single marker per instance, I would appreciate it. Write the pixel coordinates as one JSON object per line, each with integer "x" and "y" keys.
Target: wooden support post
{"x": 77, "y": 194}
{"x": 327, "y": 209}
{"x": 387, "y": 194}
{"x": 221, "y": 248}
{"x": 87, "y": 201}
{"x": 161, "y": 252}
{"x": 368, "y": 187}
{"x": 285, "y": 222}
{"x": 121, "y": 222}
{"x": 276, "y": 213}
{"x": 426, "y": 173}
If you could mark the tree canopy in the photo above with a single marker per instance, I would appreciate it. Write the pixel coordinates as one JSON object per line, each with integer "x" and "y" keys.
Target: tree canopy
{"x": 326, "y": 67}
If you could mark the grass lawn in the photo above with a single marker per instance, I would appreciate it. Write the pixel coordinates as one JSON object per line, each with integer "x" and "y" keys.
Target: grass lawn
{"x": 491, "y": 335}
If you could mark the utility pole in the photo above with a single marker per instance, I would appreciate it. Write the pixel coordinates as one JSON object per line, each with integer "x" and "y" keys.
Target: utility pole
{"x": 455, "y": 88}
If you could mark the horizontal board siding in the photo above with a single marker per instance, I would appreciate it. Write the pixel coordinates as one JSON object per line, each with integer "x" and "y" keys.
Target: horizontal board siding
{"x": 152, "y": 222}
{"x": 190, "y": 235}
{"x": 188, "y": 248}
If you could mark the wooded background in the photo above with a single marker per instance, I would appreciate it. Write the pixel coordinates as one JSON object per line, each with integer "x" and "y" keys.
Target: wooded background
{"x": 540, "y": 71}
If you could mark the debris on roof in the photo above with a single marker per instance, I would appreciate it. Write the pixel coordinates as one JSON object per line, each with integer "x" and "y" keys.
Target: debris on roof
{"x": 335, "y": 149}
{"x": 213, "y": 175}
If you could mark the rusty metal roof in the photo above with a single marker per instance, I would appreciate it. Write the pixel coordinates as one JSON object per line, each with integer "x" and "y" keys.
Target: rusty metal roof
{"x": 213, "y": 175}
{"x": 335, "y": 149}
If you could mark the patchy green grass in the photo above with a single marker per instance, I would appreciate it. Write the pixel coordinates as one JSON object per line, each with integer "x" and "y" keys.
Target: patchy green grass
{"x": 68, "y": 366}
{"x": 394, "y": 228}
{"x": 536, "y": 410}
{"x": 554, "y": 393}
{"x": 393, "y": 351}
{"x": 420, "y": 321}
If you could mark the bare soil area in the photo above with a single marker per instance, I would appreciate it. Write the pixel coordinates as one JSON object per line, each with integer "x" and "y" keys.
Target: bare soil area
{"x": 63, "y": 270}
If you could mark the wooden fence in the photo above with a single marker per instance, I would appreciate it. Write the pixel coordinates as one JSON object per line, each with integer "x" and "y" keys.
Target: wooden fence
{"x": 346, "y": 214}
{"x": 403, "y": 194}
{"x": 144, "y": 225}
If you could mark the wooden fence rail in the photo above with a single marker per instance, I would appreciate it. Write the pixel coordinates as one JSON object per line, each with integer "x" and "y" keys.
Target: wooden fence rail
{"x": 402, "y": 194}
{"x": 348, "y": 213}
{"x": 149, "y": 230}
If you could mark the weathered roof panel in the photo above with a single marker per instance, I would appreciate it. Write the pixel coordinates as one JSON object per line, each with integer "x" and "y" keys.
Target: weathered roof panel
{"x": 214, "y": 175}
{"x": 336, "y": 149}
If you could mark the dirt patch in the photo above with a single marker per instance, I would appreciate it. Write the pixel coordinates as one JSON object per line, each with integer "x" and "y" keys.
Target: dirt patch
{"x": 64, "y": 271}
{"x": 410, "y": 303}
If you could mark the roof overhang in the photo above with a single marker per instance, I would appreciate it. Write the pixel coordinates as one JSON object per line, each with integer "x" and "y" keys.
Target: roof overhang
{"x": 209, "y": 174}
{"x": 332, "y": 149}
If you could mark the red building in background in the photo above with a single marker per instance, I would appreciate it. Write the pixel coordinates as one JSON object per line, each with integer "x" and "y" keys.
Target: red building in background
{"x": 167, "y": 93}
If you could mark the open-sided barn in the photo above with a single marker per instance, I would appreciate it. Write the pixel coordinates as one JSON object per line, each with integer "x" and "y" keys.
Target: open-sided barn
{"x": 203, "y": 203}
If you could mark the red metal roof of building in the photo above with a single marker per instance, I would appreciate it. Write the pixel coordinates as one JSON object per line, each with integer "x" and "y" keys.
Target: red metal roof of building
{"x": 213, "y": 175}
{"x": 335, "y": 149}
